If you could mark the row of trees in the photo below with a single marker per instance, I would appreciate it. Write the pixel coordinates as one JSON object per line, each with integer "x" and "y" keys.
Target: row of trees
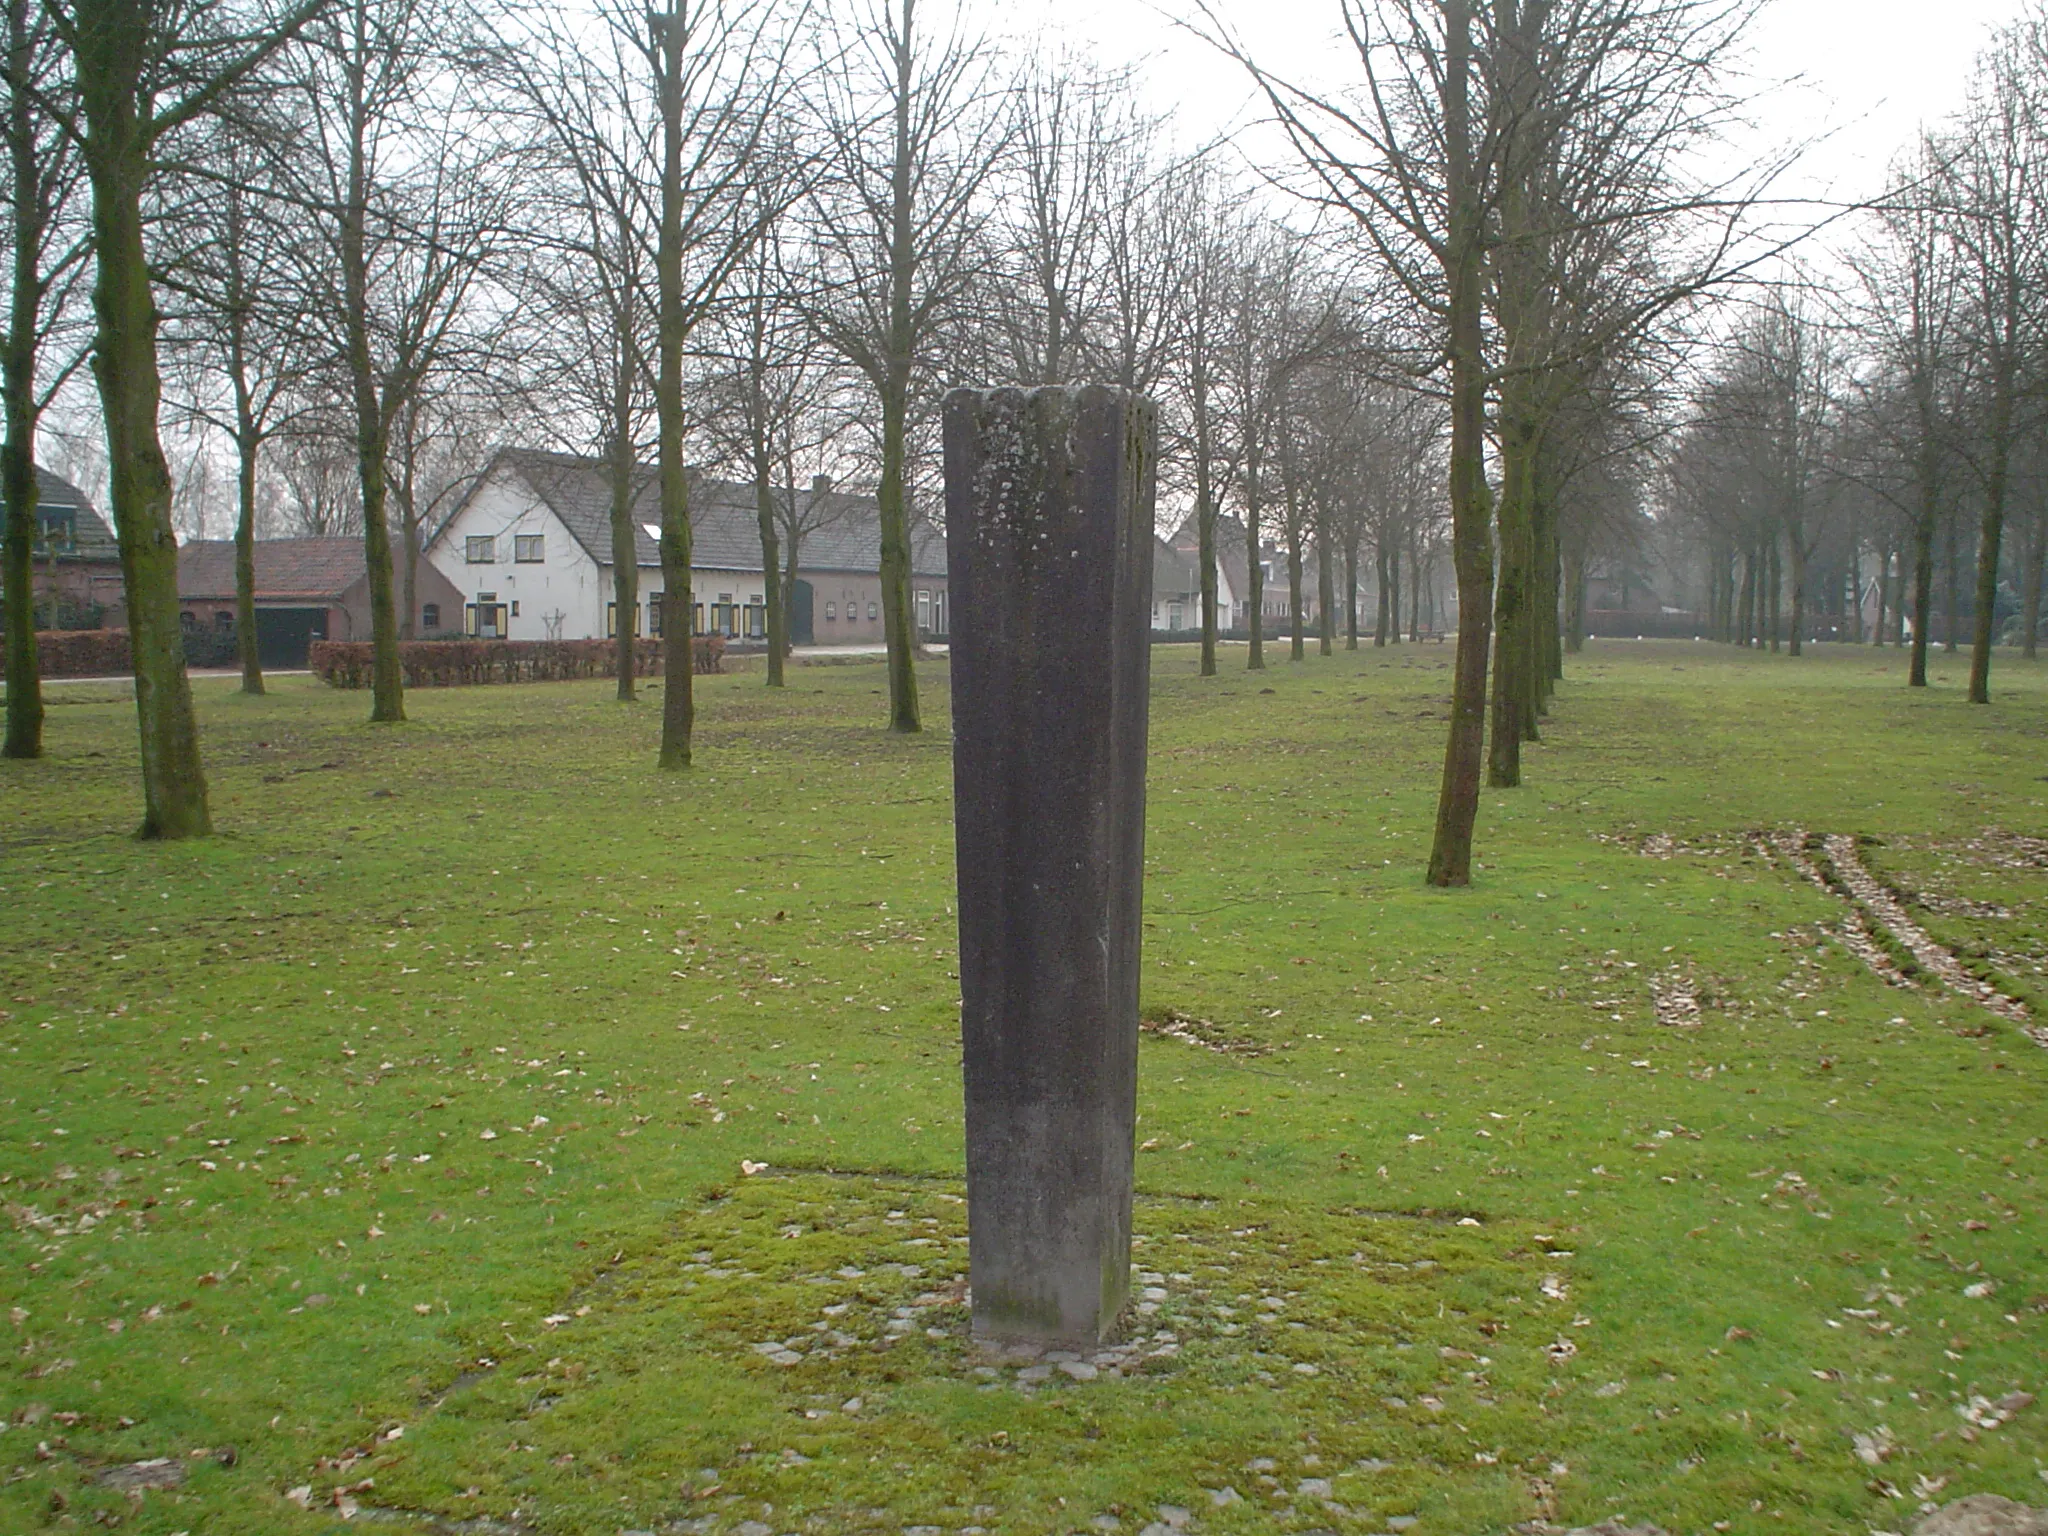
{"x": 1884, "y": 445}
{"x": 1517, "y": 183}
{"x": 356, "y": 236}
{"x": 744, "y": 234}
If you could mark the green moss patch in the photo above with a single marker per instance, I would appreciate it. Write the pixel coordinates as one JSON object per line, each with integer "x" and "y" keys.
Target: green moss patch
{"x": 797, "y": 1351}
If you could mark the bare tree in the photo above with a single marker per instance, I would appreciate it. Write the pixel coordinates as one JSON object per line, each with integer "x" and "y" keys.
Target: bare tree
{"x": 589, "y": 266}
{"x": 912, "y": 132}
{"x": 145, "y": 69}
{"x": 1909, "y": 322}
{"x": 1996, "y": 196}
{"x": 722, "y": 79}
{"x": 236, "y": 266}
{"x": 408, "y": 200}
{"x": 48, "y": 250}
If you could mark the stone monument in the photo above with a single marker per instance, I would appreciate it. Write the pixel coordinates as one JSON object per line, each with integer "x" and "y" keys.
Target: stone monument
{"x": 1049, "y": 557}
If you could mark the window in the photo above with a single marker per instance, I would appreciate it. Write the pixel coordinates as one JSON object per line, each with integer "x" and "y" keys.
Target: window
{"x": 188, "y": 621}
{"x": 611, "y": 616}
{"x": 757, "y": 620}
{"x": 56, "y": 527}
{"x": 924, "y": 610}
{"x": 831, "y": 610}
{"x": 224, "y": 621}
{"x": 515, "y": 607}
{"x": 655, "y": 604}
{"x": 1173, "y": 616}
{"x": 430, "y": 615}
{"x": 529, "y": 548}
{"x": 941, "y": 613}
{"x": 480, "y": 549}
{"x": 696, "y": 618}
{"x": 874, "y": 610}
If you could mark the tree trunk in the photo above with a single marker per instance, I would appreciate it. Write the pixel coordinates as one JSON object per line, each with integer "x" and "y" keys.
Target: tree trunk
{"x": 1952, "y": 594}
{"x": 619, "y": 467}
{"x": 1379, "y": 632}
{"x": 1856, "y": 591}
{"x": 24, "y": 732}
{"x": 1990, "y": 540}
{"x": 1255, "y": 575}
{"x": 1923, "y": 591}
{"x": 1745, "y": 607}
{"x": 1205, "y": 509}
{"x": 1450, "y": 859}
{"x": 373, "y": 405}
{"x": 1351, "y": 591}
{"x": 1394, "y": 595}
{"x": 2030, "y": 592}
{"x": 24, "y": 736}
{"x": 897, "y": 617}
{"x": 1796, "y": 543}
{"x": 678, "y": 703}
{"x": 1575, "y": 601}
{"x": 112, "y": 44}
{"x": 1511, "y": 591}
{"x": 1774, "y": 575}
{"x": 790, "y": 565}
{"x": 1296, "y": 649}
{"x": 771, "y": 559}
{"x": 1543, "y": 612}
{"x": 247, "y": 648}
{"x": 407, "y": 602}
{"x": 1326, "y": 595}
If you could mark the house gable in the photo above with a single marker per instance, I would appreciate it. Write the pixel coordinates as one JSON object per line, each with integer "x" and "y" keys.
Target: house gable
{"x": 505, "y": 546}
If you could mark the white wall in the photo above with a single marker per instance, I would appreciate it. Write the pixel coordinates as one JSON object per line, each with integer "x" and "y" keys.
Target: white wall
{"x": 565, "y": 585}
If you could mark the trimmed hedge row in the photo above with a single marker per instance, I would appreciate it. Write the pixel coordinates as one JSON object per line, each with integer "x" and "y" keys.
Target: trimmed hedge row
{"x": 83, "y": 653}
{"x": 454, "y": 663}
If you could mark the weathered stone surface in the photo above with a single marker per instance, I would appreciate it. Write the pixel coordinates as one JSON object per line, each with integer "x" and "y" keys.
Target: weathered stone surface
{"x": 1984, "y": 1514}
{"x": 1049, "y": 552}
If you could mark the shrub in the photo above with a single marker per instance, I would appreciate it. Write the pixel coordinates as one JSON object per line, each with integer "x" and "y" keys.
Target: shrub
{"x": 454, "y": 663}
{"x": 211, "y": 648}
{"x": 83, "y": 652}
{"x": 63, "y": 611}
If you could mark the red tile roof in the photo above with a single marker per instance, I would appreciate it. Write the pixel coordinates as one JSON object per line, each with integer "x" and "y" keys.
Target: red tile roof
{"x": 285, "y": 568}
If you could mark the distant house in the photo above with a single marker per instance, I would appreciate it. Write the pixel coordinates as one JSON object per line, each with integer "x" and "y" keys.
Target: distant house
{"x": 77, "y": 563}
{"x": 531, "y": 549}
{"x": 306, "y": 590}
{"x": 1177, "y": 577}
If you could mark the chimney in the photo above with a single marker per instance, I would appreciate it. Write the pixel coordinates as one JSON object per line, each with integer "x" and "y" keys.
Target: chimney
{"x": 821, "y": 484}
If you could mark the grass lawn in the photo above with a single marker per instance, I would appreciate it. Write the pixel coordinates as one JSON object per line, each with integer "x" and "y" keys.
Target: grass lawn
{"x": 390, "y": 1152}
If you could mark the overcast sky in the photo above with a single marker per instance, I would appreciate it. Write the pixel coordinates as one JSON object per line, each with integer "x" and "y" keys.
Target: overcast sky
{"x": 1866, "y": 72}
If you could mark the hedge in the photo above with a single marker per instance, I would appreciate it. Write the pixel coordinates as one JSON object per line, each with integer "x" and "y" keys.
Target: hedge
{"x": 452, "y": 663}
{"x": 83, "y": 653}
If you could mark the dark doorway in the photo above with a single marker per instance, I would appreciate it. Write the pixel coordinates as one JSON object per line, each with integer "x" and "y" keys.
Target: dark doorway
{"x": 283, "y": 635}
{"x": 800, "y": 615}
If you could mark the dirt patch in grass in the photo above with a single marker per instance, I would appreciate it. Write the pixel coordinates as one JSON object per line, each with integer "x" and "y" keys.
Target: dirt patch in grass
{"x": 1204, "y": 1033}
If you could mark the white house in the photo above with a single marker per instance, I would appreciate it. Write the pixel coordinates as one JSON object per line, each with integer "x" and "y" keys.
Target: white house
{"x": 530, "y": 549}
{"x": 1177, "y": 577}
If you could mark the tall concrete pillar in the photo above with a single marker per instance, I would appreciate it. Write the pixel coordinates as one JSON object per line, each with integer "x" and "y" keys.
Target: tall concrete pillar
{"x": 1049, "y": 556}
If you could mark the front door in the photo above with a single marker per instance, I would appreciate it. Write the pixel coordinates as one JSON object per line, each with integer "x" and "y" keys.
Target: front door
{"x": 800, "y": 632}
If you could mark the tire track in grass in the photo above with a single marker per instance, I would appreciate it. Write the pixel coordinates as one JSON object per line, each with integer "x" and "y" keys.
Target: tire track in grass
{"x": 1875, "y": 915}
